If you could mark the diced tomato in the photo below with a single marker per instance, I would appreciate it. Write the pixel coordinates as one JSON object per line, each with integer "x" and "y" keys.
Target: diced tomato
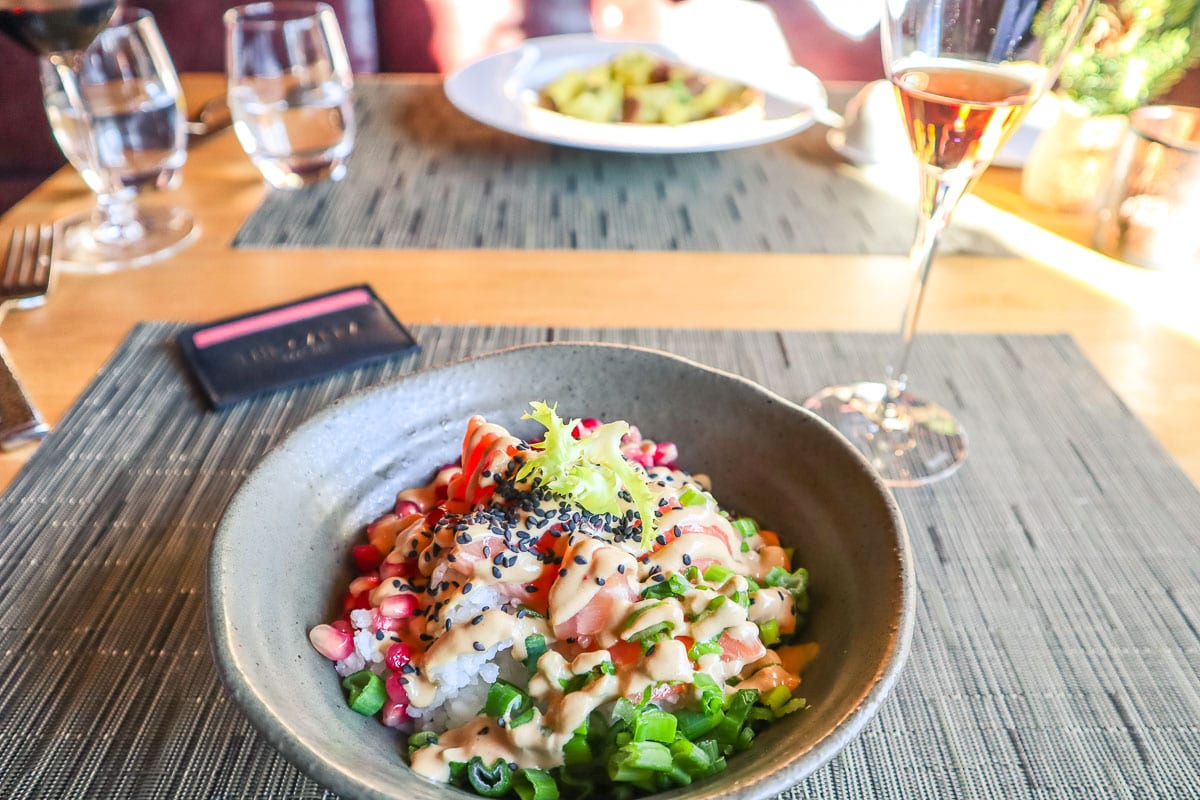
{"x": 769, "y": 537}
{"x": 625, "y": 654}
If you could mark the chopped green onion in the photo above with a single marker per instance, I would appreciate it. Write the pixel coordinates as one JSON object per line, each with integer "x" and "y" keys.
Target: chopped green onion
{"x": 744, "y": 738}
{"x": 704, "y": 648}
{"x": 742, "y": 598}
{"x": 576, "y": 752}
{"x": 534, "y": 784}
{"x": 761, "y": 714}
{"x": 458, "y": 773}
{"x": 526, "y": 611}
{"x": 654, "y": 726}
{"x": 624, "y": 710}
{"x": 674, "y": 586}
{"x": 679, "y": 776}
{"x": 690, "y": 497}
{"x": 753, "y": 584}
{"x": 745, "y": 547}
{"x": 776, "y": 697}
{"x": 745, "y": 526}
{"x": 717, "y": 574}
{"x": 637, "y": 612}
{"x": 504, "y": 698}
{"x": 712, "y": 696}
{"x": 690, "y": 758}
{"x": 493, "y": 781}
{"x": 535, "y": 647}
{"x": 521, "y": 718}
{"x": 630, "y": 762}
{"x": 790, "y": 706}
{"x": 646, "y": 634}
{"x": 694, "y": 724}
{"x": 579, "y": 787}
{"x": 366, "y": 692}
{"x": 711, "y": 608}
{"x": 735, "y": 716}
{"x": 769, "y": 633}
{"x": 421, "y": 739}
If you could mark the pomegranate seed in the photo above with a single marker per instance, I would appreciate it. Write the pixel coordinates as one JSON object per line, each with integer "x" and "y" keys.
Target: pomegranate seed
{"x": 363, "y": 584}
{"x": 397, "y": 656}
{"x": 399, "y": 606}
{"x": 343, "y": 625}
{"x": 665, "y": 454}
{"x": 585, "y": 427}
{"x": 366, "y": 558}
{"x": 405, "y": 508}
{"x": 395, "y": 690}
{"x": 395, "y": 714}
{"x": 381, "y": 623}
{"x": 331, "y": 642}
{"x": 356, "y": 601}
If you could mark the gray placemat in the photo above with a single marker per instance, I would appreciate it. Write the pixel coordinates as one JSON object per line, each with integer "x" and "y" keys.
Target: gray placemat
{"x": 423, "y": 175}
{"x": 1058, "y": 625}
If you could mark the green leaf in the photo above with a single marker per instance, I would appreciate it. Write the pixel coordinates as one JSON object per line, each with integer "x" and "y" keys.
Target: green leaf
{"x": 590, "y": 471}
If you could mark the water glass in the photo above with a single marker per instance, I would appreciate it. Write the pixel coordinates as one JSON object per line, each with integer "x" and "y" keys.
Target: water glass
{"x": 290, "y": 90}
{"x": 124, "y": 131}
{"x": 1149, "y": 214}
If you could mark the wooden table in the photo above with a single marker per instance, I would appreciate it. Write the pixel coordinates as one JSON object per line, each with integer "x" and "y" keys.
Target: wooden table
{"x": 1138, "y": 327}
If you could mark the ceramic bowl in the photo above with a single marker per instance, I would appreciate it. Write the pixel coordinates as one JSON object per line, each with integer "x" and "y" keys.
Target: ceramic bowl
{"x": 281, "y": 556}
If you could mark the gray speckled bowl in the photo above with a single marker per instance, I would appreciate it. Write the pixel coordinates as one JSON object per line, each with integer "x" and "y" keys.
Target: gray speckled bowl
{"x": 280, "y": 560}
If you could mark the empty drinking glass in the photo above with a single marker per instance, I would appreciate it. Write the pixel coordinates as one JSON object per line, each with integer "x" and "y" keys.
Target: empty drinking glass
{"x": 290, "y": 90}
{"x": 131, "y": 134}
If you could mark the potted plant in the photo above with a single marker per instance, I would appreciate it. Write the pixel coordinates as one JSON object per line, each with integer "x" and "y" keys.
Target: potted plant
{"x": 1133, "y": 52}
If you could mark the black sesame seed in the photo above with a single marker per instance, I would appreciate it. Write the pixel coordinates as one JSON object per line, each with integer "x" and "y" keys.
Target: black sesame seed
{"x": 483, "y": 731}
{"x": 467, "y": 588}
{"x": 562, "y": 573}
{"x": 531, "y": 589}
{"x": 580, "y": 560}
{"x": 379, "y": 636}
{"x": 599, "y": 581}
{"x": 658, "y": 577}
{"x": 477, "y": 619}
{"x": 687, "y": 559}
{"x": 479, "y": 648}
{"x": 621, "y": 568}
{"x": 496, "y": 572}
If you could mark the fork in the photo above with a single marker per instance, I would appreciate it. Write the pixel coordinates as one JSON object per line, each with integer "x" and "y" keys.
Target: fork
{"x": 24, "y": 281}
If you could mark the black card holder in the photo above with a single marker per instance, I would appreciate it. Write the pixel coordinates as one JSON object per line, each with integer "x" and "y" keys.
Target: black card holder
{"x": 247, "y": 355}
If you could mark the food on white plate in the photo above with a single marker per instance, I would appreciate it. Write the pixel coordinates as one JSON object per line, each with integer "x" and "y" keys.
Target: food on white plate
{"x": 638, "y": 87}
{"x": 567, "y": 616}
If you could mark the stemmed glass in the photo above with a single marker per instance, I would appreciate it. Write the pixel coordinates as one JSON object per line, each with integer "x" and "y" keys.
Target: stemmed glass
{"x": 965, "y": 72}
{"x": 133, "y": 136}
{"x": 117, "y": 112}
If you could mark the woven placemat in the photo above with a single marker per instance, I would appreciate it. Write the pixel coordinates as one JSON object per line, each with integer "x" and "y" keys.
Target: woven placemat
{"x": 1058, "y": 616}
{"x": 423, "y": 175}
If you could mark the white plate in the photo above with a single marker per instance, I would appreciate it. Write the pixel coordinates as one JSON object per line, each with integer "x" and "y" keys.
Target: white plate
{"x": 501, "y": 91}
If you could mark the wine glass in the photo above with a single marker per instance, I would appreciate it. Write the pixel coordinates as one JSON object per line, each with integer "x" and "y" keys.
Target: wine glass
{"x": 964, "y": 72}
{"x": 133, "y": 136}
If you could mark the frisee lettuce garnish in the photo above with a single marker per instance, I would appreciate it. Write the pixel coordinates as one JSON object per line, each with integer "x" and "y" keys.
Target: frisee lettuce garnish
{"x": 590, "y": 471}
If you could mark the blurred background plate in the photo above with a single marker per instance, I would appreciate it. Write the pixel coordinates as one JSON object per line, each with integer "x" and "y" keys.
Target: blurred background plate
{"x": 501, "y": 91}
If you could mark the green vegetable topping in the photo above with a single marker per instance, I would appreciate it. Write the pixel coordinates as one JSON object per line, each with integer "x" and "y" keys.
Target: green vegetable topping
{"x": 535, "y": 648}
{"x": 534, "y": 784}
{"x": 366, "y": 693}
{"x": 591, "y": 471}
{"x": 690, "y": 497}
{"x": 493, "y": 781}
{"x": 745, "y": 526}
{"x": 674, "y": 586}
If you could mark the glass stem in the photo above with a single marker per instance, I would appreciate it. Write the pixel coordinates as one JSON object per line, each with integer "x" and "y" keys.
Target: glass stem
{"x": 940, "y": 193}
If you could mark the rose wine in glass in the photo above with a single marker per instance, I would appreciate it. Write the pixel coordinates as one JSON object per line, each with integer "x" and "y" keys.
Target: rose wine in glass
{"x": 965, "y": 73}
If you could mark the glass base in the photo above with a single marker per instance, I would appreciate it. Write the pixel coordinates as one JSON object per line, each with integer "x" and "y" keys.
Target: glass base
{"x": 154, "y": 233}
{"x": 910, "y": 443}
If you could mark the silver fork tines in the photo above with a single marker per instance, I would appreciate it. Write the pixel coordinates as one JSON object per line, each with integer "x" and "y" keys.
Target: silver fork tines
{"x": 23, "y": 284}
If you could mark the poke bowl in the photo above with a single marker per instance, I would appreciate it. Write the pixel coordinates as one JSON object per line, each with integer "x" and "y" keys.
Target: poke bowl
{"x": 293, "y": 539}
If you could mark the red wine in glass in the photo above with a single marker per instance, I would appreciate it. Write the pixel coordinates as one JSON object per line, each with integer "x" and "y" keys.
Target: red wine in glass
{"x": 54, "y": 26}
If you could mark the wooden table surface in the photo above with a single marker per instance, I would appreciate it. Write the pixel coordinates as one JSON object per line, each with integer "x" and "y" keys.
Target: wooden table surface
{"x": 1139, "y": 327}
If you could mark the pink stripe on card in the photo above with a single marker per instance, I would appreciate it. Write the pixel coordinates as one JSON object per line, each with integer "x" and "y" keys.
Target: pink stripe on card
{"x": 352, "y": 298}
